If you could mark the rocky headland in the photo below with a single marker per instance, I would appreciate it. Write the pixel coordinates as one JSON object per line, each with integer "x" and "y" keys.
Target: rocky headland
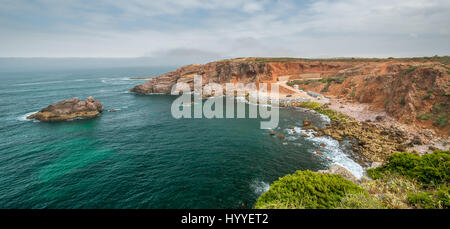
{"x": 406, "y": 101}
{"x": 68, "y": 110}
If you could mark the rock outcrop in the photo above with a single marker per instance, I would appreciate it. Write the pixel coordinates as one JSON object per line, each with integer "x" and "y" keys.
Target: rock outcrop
{"x": 68, "y": 110}
{"x": 340, "y": 170}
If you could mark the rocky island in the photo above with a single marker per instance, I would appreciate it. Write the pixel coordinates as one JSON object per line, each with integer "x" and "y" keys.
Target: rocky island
{"x": 69, "y": 109}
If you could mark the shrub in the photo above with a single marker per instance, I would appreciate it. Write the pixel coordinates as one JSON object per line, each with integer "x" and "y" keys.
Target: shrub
{"x": 386, "y": 103}
{"x": 326, "y": 88}
{"x": 431, "y": 200}
{"x": 411, "y": 69}
{"x": 295, "y": 82}
{"x": 353, "y": 93}
{"x": 402, "y": 100}
{"x": 426, "y": 116}
{"x": 441, "y": 120}
{"x": 429, "y": 169}
{"x": 311, "y": 105}
{"x": 421, "y": 200}
{"x": 428, "y": 95}
{"x": 306, "y": 189}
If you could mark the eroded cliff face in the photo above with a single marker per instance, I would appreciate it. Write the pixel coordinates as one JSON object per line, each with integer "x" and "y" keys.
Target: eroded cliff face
{"x": 217, "y": 72}
{"x": 412, "y": 92}
{"x": 233, "y": 71}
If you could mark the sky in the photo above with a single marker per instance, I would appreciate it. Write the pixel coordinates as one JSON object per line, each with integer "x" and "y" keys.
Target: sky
{"x": 201, "y": 30}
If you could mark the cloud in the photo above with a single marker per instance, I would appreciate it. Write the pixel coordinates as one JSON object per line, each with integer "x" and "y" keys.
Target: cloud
{"x": 199, "y": 30}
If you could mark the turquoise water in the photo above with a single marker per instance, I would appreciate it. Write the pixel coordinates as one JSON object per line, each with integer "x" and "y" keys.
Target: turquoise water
{"x": 139, "y": 156}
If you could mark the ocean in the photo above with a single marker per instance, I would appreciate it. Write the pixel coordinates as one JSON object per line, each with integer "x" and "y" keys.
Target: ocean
{"x": 140, "y": 156}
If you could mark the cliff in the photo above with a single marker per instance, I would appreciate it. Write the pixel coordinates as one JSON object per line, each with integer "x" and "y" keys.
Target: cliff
{"x": 414, "y": 90}
{"x": 236, "y": 70}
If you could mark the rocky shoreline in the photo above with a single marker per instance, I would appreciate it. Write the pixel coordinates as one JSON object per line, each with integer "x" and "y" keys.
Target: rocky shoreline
{"x": 374, "y": 140}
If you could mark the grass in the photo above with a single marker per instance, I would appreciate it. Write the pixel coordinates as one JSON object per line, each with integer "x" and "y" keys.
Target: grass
{"x": 426, "y": 176}
{"x": 431, "y": 199}
{"x": 319, "y": 108}
{"x": 391, "y": 190}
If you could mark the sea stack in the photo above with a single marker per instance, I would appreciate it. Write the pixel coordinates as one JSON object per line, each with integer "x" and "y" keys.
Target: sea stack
{"x": 69, "y": 109}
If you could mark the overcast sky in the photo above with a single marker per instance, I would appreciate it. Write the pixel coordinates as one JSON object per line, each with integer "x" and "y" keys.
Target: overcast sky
{"x": 200, "y": 29}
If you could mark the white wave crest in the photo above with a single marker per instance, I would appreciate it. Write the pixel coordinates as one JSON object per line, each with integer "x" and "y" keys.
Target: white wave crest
{"x": 259, "y": 187}
{"x": 24, "y": 117}
{"x": 330, "y": 149}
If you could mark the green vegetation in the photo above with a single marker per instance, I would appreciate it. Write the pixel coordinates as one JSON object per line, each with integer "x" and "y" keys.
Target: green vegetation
{"x": 441, "y": 120}
{"x": 306, "y": 189}
{"x": 410, "y": 69}
{"x": 402, "y": 100}
{"x": 319, "y": 108}
{"x": 430, "y": 173}
{"x": 338, "y": 80}
{"x": 406, "y": 180}
{"x": 440, "y": 114}
{"x": 429, "y": 169}
{"x": 391, "y": 190}
{"x": 386, "y": 103}
{"x": 426, "y": 116}
{"x": 431, "y": 200}
{"x": 311, "y": 105}
{"x": 325, "y": 89}
{"x": 300, "y": 82}
{"x": 428, "y": 95}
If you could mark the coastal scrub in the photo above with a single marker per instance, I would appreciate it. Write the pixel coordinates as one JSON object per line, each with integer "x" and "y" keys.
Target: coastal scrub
{"x": 310, "y": 190}
{"x": 421, "y": 181}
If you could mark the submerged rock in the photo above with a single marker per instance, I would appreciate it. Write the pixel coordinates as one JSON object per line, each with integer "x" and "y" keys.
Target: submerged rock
{"x": 69, "y": 109}
{"x": 306, "y": 123}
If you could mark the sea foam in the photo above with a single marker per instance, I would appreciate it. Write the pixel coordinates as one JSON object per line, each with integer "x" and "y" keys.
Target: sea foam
{"x": 331, "y": 151}
{"x": 24, "y": 117}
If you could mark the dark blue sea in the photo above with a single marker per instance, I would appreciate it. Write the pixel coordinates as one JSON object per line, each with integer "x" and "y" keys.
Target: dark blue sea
{"x": 140, "y": 156}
